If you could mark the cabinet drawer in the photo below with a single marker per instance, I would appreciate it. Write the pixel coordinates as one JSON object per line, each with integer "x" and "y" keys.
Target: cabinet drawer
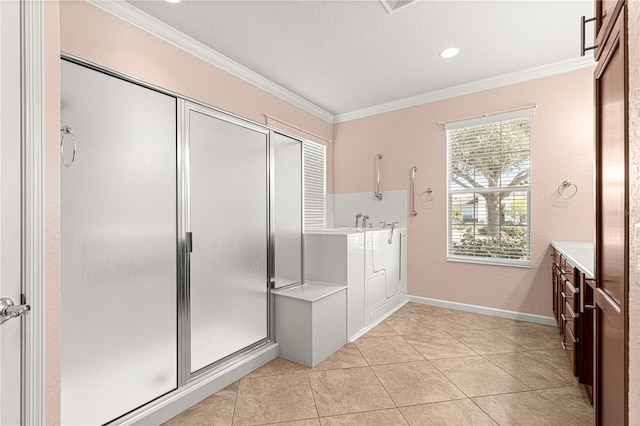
{"x": 570, "y": 319}
{"x": 570, "y": 345}
{"x": 570, "y": 299}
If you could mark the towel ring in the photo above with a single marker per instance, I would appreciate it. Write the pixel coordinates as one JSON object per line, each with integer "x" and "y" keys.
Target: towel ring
{"x": 66, "y": 130}
{"x": 565, "y": 192}
{"x": 427, "y": 195}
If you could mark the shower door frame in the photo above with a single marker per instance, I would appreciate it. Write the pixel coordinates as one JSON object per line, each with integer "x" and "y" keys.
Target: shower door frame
{"x": 190, "y": 385}
{"x": 185, "y": 107}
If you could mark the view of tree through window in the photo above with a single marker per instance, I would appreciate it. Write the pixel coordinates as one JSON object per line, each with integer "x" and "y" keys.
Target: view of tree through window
{"x": 488, "y": 189}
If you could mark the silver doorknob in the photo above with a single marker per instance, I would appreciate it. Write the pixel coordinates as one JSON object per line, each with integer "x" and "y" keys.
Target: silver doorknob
{"x": 8, "y": 310}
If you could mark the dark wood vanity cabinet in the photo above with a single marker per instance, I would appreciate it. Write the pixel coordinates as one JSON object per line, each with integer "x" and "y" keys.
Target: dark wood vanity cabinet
{"x": 572, "y": 308}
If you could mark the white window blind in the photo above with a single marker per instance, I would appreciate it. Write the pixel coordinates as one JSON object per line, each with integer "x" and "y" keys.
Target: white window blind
{"x": 314, "y": 185}
{"x": 488, "y": 189}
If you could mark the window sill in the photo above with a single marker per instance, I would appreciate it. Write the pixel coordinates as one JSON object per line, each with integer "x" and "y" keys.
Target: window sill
{"x": 490, "y": 261}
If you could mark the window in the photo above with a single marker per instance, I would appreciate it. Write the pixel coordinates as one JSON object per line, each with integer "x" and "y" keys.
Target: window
{"x": 488, "y": 189}
{"x": 314, "y": 185}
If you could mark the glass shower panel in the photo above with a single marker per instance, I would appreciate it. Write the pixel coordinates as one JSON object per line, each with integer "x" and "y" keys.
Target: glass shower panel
{"x": 229, "y": 224}
{"x": 288, "y": 209}
{"x": 118, "y": 246}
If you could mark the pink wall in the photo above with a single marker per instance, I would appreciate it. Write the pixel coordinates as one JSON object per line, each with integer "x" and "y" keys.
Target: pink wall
{"x": 52, "y": 211}
{"x": 561, "y": 148}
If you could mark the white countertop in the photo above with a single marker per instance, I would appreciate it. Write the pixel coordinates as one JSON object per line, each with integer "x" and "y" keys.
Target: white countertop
{"x": 579, "y": 254}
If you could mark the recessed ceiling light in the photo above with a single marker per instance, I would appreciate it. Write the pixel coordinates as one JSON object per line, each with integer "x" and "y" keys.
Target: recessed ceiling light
{"x": 450, "y": 52}
{"x": 173, "y": 1}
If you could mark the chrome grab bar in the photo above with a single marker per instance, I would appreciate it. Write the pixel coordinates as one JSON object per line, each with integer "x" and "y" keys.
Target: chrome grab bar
{"x": 413, "y": 191}
{"x": 378, "y": 194}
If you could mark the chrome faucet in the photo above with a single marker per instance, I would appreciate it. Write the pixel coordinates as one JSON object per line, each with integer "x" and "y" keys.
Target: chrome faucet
{"x": 393, "y": 226}
{"x": 358, "y": 216}
{"x": 364, "y": 221}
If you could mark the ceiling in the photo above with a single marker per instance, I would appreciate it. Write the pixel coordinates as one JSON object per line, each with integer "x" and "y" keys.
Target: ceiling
{"x": 345, "y": 56}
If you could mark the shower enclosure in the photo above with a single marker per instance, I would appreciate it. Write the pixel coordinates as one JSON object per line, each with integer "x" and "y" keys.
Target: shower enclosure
{"x": 177, "y": 219}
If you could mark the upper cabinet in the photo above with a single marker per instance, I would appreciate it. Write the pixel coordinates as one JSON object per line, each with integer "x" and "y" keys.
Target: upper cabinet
{"x": 606, "y": 11}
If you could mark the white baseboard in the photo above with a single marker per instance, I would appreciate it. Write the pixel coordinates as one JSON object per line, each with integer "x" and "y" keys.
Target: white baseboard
{"x": 181, "y": 399}
{"x": 520, "y": 316}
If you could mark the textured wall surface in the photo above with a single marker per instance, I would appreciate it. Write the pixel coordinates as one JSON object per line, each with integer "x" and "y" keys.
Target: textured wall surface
{"x": 634, "y": 206}
{"x": 52, "y": 211}
{"x": 561, "y": 148}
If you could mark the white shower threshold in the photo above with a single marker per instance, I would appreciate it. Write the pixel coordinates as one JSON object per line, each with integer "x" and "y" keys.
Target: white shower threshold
{"x": 179, "y": 400}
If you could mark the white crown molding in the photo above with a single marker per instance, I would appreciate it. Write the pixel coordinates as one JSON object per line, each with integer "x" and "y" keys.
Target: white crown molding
{"x": 152, "y": 25}
{"x": 548, "y": 70}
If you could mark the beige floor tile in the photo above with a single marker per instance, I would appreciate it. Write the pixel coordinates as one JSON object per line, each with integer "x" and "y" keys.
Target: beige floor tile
{"x": 381, "y": 330}
{"x": 346, "y": 357}
{"x": 437, "y": 344}
{"x": 405, "y": 309}
{"x": 533, "y": 337}
{"x": 413, "y": 383}
{"x": 430, "y": 310}
{"x": 277, "y": 367}
{"x": 274, "y": 399}
{"x": 475, "y": 376}
{"x": 382, "y": 417}
{"x": 524, "y": 408}
{"x": 573, "y": 400}
{"x": 459, "y": 412}
{"x": 486, "y": 341}
{"x": 409, "y": 324}
{"x": 457, "y": 322}
{"x": 307, "y": 422}
{"x": 537, "y": 369}
{"x": 346, "y": 391}
{"x": 387, "y": 350}
{"x": 490, "y": 321}
{"x": 216, "y": 410}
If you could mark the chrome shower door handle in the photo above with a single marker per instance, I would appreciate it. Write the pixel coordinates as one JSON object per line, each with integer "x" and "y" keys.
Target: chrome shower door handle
{"x": 8, "y": 310}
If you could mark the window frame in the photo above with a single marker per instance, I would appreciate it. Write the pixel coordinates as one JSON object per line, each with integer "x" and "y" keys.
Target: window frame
{"x": 477, "y": 121}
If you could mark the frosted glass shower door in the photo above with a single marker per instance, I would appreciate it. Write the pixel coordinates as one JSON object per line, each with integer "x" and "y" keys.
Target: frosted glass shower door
{"x": 228, "y": 212}
{"x": 287, "y": 209}
{"x": 118, "y": 246}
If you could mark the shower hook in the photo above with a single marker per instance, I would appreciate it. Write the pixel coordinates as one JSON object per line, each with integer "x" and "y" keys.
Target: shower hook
{"x": 66, "y": 130}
